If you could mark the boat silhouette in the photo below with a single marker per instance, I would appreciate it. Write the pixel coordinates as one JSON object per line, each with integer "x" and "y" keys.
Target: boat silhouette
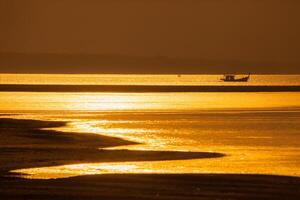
{"x": 232, "y": 78}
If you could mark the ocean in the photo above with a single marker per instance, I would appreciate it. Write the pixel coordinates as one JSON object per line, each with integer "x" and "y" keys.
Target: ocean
{"x": 258, "y": 132}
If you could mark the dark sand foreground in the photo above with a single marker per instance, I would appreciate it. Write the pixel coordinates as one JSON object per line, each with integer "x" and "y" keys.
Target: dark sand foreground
{"x": 146, "y": 88}
{"x": 154, "y": 186}
{"x": 23, "y": 144}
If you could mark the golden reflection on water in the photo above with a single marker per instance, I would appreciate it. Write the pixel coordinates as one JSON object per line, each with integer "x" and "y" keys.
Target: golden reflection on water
{"x": 265, "y": 155}
{"x": 93, "y": 102}
{"x": 66, "y": 171}
{"x": 256, "y": 159}
{"x": 249, "y": 163}
{"x": 103, "y": 127}
{"x": 127, "y": 79}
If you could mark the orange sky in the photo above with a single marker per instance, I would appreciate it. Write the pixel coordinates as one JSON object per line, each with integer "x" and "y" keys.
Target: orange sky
{"x": 242, "y": 30}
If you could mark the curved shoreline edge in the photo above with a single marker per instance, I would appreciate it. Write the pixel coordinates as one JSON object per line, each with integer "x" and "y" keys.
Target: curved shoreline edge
{"x": 53, "y": 147}
{"x": 144, "y": 88}
{"x": 25, "y": 144}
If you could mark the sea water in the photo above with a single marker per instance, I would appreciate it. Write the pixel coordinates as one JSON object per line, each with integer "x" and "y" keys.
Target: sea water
{"x": 259, "y": 133}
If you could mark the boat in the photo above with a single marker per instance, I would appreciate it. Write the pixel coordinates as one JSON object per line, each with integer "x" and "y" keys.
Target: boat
{"x": 232, "y": 78}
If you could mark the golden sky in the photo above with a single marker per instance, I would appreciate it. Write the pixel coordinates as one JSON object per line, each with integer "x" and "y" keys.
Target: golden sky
{"x": 239, "y": 30}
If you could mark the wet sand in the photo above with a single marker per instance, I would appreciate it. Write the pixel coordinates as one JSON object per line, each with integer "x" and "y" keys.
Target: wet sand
{"x": 146, "y": 88}
{"x": 25, "y": 143}
{"x": 153, "y": 186}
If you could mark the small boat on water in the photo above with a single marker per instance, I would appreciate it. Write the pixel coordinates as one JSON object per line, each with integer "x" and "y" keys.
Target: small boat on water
{"x": 232, "y": 78}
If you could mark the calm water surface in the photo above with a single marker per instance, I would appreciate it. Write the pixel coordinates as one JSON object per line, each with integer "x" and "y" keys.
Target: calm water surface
{"x": 109, "y": 79}
{"x": 258, "y": 132}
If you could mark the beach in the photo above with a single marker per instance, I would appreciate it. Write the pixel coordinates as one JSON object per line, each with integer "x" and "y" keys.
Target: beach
{"x": 86, "y": 137}
{"x": 154, "y": 186}
{"x": 25, "y": 144}
{"x": 146, "y": 100}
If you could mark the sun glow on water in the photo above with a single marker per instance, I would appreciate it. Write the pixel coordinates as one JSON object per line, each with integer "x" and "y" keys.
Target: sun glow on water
{"x": 66, "y": 171}
{"x": 247, "y": 127}
{"x": 93, "y": 102}
{"x": 251, "y": 141}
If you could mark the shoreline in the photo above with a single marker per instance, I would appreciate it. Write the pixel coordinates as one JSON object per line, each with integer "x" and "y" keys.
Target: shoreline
{"x": 154, "y": 186}
{"x": 145, "y": 88}
{"x": 28, "y": 141}
{"x": 25, "y": 144}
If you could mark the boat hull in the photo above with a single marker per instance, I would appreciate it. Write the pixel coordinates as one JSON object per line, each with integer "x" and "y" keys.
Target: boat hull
{"x": 244, "y": 79}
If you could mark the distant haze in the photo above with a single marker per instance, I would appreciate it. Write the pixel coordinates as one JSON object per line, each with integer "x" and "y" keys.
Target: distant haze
{"x": 149, "y": 36}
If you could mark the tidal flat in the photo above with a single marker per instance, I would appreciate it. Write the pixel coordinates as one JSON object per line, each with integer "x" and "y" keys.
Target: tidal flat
{"x": 28, "y": 143}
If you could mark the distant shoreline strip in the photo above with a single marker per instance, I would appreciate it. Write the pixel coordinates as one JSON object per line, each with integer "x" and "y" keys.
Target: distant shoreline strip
{"x": 143, "y": 88}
